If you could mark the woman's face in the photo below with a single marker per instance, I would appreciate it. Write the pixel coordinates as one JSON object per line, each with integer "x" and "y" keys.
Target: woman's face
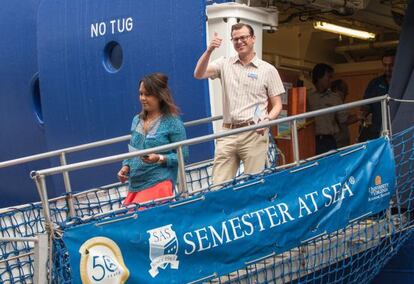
{"x": 149, "y": 103}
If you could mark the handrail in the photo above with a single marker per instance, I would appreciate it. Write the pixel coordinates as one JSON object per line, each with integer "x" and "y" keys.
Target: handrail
{"x": 201, "y": 139}
{"x": 91, "y": 145}
{"x": 62, "y": 156}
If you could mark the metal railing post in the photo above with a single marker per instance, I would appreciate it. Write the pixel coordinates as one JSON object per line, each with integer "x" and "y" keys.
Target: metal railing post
{"x": 40, "y": 259}
{"x": 384, "y": 117}
{"x": 41, "y": 187}
{"x": 182, "y": 181}
{"x": 295, "y": 141}
{"x": 68, "y": 187}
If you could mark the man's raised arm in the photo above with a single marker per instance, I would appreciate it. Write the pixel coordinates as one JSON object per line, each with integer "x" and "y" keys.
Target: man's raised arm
{"x": 202, "y": 70}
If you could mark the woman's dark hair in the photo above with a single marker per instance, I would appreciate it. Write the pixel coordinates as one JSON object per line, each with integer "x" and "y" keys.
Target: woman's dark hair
{"x": 319, "y": 71}
{"x": 156, "y": 84}
{"x": 241, "y": 25}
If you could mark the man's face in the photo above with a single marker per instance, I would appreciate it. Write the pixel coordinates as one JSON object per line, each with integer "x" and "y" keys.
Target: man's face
{"x": 243, "y": 42}
{"x": 326, "y": 80}
{"x": 388, "y": 63}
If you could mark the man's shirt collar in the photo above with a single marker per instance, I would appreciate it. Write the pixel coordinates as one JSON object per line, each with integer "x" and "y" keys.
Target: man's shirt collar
{"x": 255, "y": 61}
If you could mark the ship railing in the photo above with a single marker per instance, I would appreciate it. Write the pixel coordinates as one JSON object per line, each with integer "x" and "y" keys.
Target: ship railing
{"x": 62, "y": 154}
{"x": 39, "y": 176}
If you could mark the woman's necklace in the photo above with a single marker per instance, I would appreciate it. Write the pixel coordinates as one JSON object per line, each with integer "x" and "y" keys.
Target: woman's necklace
{"x": 149, "y": 121}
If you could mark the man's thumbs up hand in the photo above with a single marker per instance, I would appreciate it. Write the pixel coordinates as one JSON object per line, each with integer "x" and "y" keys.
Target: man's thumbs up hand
{"x": 215, "y": 43}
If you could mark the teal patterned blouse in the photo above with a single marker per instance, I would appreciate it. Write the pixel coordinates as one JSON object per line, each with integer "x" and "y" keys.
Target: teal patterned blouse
{"x": 165, "y": 130}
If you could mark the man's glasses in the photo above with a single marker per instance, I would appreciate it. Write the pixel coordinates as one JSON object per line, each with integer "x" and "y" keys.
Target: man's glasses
{"x": 241, "y": 38}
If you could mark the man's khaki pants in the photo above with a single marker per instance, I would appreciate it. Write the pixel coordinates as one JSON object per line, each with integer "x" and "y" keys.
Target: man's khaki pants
{"x": 249, "y": 147}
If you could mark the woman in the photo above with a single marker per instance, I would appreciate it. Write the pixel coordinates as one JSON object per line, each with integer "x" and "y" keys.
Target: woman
{"x": 153, "y": 176}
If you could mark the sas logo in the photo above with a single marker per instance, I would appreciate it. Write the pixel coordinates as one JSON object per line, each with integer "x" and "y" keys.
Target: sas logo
{"x": 378, "y": 191}
{"x": 163, "y": 249}
{"x": 102, "y": 262}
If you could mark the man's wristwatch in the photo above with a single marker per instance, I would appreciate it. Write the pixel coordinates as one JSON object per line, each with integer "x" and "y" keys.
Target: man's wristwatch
{"x": 161, "y": 159}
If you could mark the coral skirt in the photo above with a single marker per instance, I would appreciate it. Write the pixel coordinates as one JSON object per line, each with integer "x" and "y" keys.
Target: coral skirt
{"x": 160, "y": 190}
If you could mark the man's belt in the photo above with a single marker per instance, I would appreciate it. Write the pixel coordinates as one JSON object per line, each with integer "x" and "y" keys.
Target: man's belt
{"x": 237, "y": 125}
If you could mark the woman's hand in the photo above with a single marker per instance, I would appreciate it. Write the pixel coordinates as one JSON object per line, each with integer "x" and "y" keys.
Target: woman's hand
{"x": 151, "y": 158}
{"x": 123, "y": 174}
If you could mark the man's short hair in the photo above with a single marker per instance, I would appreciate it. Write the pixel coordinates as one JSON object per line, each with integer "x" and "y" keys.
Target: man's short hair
{"x": 320, "y": 70}
{"x": 238, "y": 26}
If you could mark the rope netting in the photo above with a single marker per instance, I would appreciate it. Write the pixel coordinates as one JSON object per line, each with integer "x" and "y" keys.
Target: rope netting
{"x": 354, "y": 254}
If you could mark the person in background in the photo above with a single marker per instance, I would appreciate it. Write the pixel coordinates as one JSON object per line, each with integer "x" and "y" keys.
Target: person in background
{"x": 153, "y": 176}
{"x": 340, "y": 88}
{"x": 327, "y": 125}
{"x": 342, "y": 138}
{"x": 379, "y": 86}
{"x": 248, "y": 83}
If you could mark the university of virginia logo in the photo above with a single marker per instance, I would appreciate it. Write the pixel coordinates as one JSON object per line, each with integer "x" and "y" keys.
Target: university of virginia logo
{"x": 102, "y": 262}
{"x": 378, "y": 191}
{"x": 163, "y": 249}
{"x": 378, "y": 180}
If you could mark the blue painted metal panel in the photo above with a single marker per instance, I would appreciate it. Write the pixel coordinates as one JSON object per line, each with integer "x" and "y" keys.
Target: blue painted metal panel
{"x": 400, "y": 269}
{"x": 20, "y": 132}
{"x": 83, "y": 100}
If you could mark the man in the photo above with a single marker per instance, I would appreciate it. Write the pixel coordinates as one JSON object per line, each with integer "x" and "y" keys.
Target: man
{"x": 377, "y": 87}
{"x": 340, "y": 88}
{"x": 247, "y": 85}
{"x": 342, "y": 138}
{"x": 327, "y": 125}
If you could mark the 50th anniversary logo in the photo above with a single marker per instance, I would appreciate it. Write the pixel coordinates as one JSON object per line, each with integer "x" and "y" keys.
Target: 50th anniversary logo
{"x": 102, "y": 261}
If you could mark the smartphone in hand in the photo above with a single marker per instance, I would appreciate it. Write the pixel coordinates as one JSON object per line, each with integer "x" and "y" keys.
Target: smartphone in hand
{"x": 123, "y": 176}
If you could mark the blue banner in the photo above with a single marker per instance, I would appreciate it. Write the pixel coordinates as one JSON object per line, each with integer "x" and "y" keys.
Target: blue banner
{"x": 223, "y": 231}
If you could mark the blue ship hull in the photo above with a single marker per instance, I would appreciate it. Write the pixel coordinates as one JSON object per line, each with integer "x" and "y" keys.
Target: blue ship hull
{"x": 70, "y": 76}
